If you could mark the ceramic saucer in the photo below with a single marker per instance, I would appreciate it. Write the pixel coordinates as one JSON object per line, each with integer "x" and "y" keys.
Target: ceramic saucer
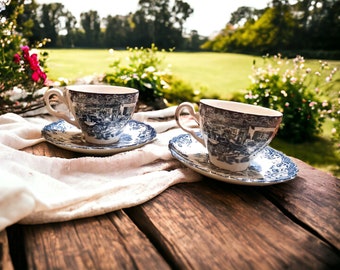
{"x": 268, "y": 167}
{"x": 69, "y": 137}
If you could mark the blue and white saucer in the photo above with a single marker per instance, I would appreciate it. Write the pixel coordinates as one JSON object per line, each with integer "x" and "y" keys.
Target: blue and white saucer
{"x": 267, "y": 168}
{"x": 69, "y": 137}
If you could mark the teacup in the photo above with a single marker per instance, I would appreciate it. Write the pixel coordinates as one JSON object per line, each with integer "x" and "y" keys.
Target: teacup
{"x": 100, "y": 111}
{"x": 232, "y": 132}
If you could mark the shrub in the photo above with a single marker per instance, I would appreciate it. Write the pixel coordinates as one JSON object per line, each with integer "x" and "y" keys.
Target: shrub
{"x": 145, "y": 73}
{"x": 21, "y": 70}
{"x": 180, "y": 91}
{"x": 295, "y": 90}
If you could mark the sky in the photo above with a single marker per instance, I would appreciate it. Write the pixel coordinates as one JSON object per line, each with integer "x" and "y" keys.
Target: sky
{"x": 209, "y": 16}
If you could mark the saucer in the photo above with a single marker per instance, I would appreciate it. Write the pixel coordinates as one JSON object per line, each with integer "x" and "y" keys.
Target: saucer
{"x": 267, "y": 168}
{"x": 69, "y": 137}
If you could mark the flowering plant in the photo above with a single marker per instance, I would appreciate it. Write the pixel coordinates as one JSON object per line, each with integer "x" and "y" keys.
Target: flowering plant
{"x": 143, "y": 73}
{"x": 21, "y": 78}
{"x": 31, "y": 64}
{"x": 157, "y": 86}
{"x": 21, "y": 70}
{"x": 295, "y": 90}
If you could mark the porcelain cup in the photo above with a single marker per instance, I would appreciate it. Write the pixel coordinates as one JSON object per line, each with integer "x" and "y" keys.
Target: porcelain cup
{"x": 232, "y": 132}
{"x": 100, "y": 111}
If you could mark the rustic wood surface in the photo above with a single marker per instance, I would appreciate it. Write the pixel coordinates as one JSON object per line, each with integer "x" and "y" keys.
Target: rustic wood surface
{"x": 105, "y": 242}
{"x": 207, "y": 224}
{"x": 202, "y": 225}
{"x": 5, "y": 259}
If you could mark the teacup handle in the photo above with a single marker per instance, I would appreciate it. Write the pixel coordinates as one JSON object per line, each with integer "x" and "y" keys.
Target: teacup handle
{"x": 59, "y": 93}
{"x": 195, "y": 115}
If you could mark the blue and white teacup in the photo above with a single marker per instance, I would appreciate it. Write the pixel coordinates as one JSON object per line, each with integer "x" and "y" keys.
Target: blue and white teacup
{"x": 232, "y": 132}
{"x": 100, "y": 111}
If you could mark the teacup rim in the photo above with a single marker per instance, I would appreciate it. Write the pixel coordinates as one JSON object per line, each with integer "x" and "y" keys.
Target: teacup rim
{"x": 101, "y": 89}
{"x": 255, "y": 109}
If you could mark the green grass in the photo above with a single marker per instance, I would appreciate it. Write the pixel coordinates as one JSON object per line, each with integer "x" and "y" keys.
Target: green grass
{"x": 75, "y": 63}
{"x": 320, "y": 153}
{"x": 218, "y": 74}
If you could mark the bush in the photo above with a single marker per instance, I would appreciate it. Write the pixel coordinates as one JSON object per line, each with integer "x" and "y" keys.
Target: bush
{"x": 21, "y": 70}
{"x": 145, "y": 73}
{"x": 295, "y": 90}
{"x": 180, "y": 91}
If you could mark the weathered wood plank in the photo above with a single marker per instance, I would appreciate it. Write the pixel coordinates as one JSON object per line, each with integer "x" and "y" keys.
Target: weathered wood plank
{"x": 5, "y": 259}
{"x": 313, "y": 199}
{"x": 214, "y": 225}
{"x": 104, "y": 242}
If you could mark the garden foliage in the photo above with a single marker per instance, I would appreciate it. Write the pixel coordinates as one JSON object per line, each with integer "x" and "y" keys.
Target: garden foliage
{"x": 144, "y": 72}
{"x": 21, "y": 70}
{"x": 299, "y": 92}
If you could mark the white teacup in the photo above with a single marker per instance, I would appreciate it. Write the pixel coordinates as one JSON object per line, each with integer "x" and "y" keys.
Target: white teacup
{"x": 100, "y": 111}
{"x": 232, "y": 132}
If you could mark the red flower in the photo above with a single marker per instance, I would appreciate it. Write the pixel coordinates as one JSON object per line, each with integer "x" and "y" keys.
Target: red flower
{"x": 34, "y": 62}
{"x": 35, "y": 76}
{"x": 31, "y": 62}
{"x": 16, "y": 58}
{"x": 26, "y": 52}
{"x": 43, "y": 76}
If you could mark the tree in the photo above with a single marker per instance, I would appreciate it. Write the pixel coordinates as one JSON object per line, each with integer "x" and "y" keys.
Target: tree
{"x": 51, "y": 25}
{"x": 181, "y": 11}
{"x": 194, "y": 41}
{"x": 273, "y": 30}
{"x": 68, "y": 35}
{"x": 141, "y": 30}
{"x": 90, "y": 21}
{"x": 161, "y": 23}
{"x": 244, "y": 14}
{"x": 321, "y": 23}
{"x": 117, "y": 31}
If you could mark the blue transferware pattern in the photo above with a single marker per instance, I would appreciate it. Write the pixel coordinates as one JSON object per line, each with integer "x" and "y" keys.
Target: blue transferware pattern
{"x": 106, "y": 123}
{"x": 268, "y": 167}
{"x": 64, "y": 135}
{"x": 236, "y": 137}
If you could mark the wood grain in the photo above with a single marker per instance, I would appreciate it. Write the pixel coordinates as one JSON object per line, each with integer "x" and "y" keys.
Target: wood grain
{"x": 103, "y": 242}
{"x": 203, "y": 225}
{"x": 5, "y": 259}
{"x": 212, "y": 225}
{"x": 313, "y": 199}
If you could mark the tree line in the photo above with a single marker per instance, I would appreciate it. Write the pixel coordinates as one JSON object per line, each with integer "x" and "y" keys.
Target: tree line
{"x": 155, "y": 22}
{"x": 281, "y": 26}
{"x": 307, "y": 25}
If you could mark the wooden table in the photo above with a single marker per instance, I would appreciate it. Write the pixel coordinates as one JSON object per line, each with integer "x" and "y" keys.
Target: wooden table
{"x": 203, "y": 225}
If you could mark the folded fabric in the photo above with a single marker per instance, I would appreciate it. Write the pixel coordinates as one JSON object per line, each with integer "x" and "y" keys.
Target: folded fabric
{"x": 38, "y": 189}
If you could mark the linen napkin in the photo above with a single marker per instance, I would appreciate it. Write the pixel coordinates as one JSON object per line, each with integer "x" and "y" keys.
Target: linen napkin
{"x": 38, "y": 189}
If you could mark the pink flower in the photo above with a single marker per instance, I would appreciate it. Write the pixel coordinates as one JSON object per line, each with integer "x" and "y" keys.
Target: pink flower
{"x": 312, "y": 104}
{"x": 16, "y": 58}
{"x": 34, "y": 62}
{"x": 35, "y": 76}
{"x": 42, "y": 75}
{"x": 26, "y": 52}
{"x": 30, "y": 65}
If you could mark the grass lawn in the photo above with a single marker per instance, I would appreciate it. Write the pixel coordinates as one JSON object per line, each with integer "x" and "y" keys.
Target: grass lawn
{"x": 219, "y": 74}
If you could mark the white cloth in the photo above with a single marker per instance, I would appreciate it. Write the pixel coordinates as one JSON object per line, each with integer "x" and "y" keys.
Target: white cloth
{"x": 38, "y": 189}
